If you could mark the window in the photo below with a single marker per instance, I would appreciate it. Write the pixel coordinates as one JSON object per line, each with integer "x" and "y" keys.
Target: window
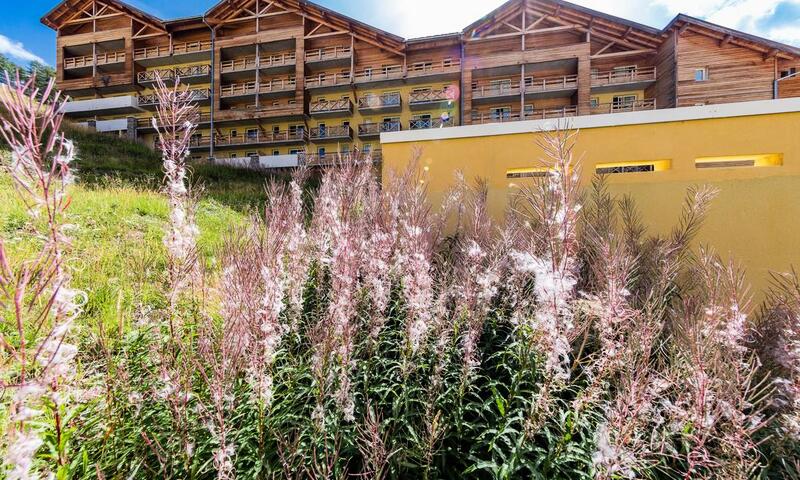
{"x": 234, "y": 133}
{"x": 276, "y": 152}
{"x": 701, "y": 74}
{"x": 293, "y": 151}
{"x": 500, "y": 85}
{"x": 276, "y": 103}
{"x": 595, "y": 102}
{"x": 321, "y": 151}
{"x": 623, "y": 102}
{"x": 276, "y": 129}
{"x": 595, "y": 73}
{"x": 322, "y": 130}
{"x": 447, "y": 62}
{"x": 500, "y": 113}
{"x": 788, "y": 73}
{"x": 366, "y": 148}
{"x": 252, "y": 133}
{"x": 763, "y": 160}
{"x": 633, "y": 167}
{"x": 345, "y": 149}
{"x": 234, "y": 155}
{"x": 292, "y": 102}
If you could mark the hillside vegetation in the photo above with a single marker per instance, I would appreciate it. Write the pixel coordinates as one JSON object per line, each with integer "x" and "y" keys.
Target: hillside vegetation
{"x": 120, "y": 214}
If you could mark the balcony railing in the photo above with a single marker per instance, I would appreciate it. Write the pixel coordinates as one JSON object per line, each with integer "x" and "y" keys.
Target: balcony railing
{"x": 277, "y": 85}
{"x": 332, "y": 132}
{"x": 331, "y": 106}
{"x": 144, "y": 123}
{"x": 259, "y": 137}
{"x": 106, "y": 58}
{"x": 172, "y": 73}
{"x": 427, "y": 123}
{"x": 622, "y": 107}
{"x": 238, "y": 64}
{"x": 378, "y": 102}
{"x": 238, "y": 89}
{"x": 392, "y": 72}
{"x": 429, "y": 96}
{"x": 328, "y": 80}
{"x": 423, "y": 69}
{"x": 328, "y": 53}
{"x": 621, "y": 77}
{"x": 278, "y": 60}
{"x": 542, "y": 114}
{"x": 374, "y": 129}
{"x": 567, "y": 82}
{"x": 337, "y": 158}
{"x": 496, "y": 90}
{"x": 161, "y": 51}
{"x": 196, "y": 96}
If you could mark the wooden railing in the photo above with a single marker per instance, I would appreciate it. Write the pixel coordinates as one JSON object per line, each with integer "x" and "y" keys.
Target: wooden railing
{"x": 551, "y": 83}
{"x": 391, "y": 72}
{"x": 106, "y": 58}
{"x": 388, "y": 100}
{"x": 278, "y": 60}
{"x": 237, "y": 89}
{"x": 148, "y": 122}
{"x": 328, "y": 80}
{"x": 429, "y": 96}
{"x": 424, "y": 124}
{"x": 238, "y": 64}
{"x": 172, "y": 73}
{"x": 542, "y": 114}
{"x": 197, "y": 96}
{"x": 367, "y": 129}
{"x": 496, "y": 90}
{"x": 160, "y": 51}
{"x": 299, "y": 135}
{"x": 337, "y": 158}
{"x": 332, "y": 132}
{"x": 423, "y": 69}
{"x": 277, "y": 85}
{"x": 644, "y": 74}
{"x": 622, "y": 107}
{"x": 331, "y": 106}
{"x": 328, "y": 53}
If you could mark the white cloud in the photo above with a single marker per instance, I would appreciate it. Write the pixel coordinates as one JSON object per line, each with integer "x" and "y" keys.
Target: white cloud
{"x": 17, "y": 50}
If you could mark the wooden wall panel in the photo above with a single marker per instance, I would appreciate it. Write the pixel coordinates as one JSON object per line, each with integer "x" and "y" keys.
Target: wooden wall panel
{"x": 736, "y": 74}
{"x": 664, "y": 89}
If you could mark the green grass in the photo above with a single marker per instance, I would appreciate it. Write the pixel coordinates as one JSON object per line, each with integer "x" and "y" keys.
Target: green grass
{"x": 118, "y": 256}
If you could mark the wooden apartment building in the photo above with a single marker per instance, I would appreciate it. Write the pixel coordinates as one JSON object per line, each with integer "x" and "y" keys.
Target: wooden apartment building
{"x": 286, "y": 77}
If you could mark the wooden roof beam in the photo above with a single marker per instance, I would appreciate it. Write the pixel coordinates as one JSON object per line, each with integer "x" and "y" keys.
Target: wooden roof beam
{"x": 728, "y": 38}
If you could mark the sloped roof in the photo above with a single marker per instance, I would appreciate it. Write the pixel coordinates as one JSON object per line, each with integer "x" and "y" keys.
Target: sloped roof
{"x": 59, "y": 14}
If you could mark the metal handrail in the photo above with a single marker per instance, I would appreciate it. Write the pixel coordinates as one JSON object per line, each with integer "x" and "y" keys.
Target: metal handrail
{"x": 380, "y": 101}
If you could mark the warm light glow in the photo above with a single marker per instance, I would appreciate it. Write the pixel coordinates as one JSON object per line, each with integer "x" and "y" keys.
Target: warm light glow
{"x": 634, "y": 167}
{"x": 734, "y": 161}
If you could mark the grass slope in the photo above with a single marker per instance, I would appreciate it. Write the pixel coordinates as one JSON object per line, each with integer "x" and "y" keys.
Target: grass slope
{"x": 120, "y": 213}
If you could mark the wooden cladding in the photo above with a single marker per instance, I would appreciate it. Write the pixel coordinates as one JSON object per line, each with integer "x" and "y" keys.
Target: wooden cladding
{"x": 540, "y": 114}
{"x": 343, "y": 105}
{"x": 252, "y": 88}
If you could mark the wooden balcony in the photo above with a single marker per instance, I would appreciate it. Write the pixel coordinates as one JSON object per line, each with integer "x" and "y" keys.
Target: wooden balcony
{"x": 496, "y": 91}
{"x": 146, "y": 124}
{"x": 244, "y": 115}
{"x": 265, "y": 62}
{"x": 439, "y": 69}
{"x": 623, "y": 107}
{"x": 287, "y": 137}
{"x": 278, "y": 60}
{"x": 88, "y": 61}
{"x": 379, "y": 74}
{"x": 187, "y": 75}
{"x": 426, "y": 124}
{"x": 238, "y": 65}
{"x": 366, "y": 130}
{"x": 390, "y": 102}
{"x": 277, "y": 86}
{"x": 328, "y": 81}
{"x": 480, "y": 118}
{"x": 430, "y": 98}
{"x": 332, "y": 159}
{"x": 331, "y": 108}
{"x": 336, "y": 55}
{"x": 331, "y": 133}
{"x": 199, "y": 96}
{"x": 634, "y": 79}
{"x": 163, "y": 54}
{"x": 238, "y": 90}
{"x": 551, "y": 87}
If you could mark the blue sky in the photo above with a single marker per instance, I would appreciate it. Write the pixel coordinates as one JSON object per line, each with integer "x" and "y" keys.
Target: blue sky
{"x": 23, "y": 38}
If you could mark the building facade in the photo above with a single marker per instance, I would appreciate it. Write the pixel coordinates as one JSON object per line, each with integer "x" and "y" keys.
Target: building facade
{"x": 282, "y": 78}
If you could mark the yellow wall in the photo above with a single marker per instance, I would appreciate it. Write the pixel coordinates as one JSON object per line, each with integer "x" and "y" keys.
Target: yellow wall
{"x": 755, "y": 217}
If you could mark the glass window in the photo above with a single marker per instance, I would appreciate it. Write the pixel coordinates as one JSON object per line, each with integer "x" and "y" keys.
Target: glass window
{"x": 701, "y": 75}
